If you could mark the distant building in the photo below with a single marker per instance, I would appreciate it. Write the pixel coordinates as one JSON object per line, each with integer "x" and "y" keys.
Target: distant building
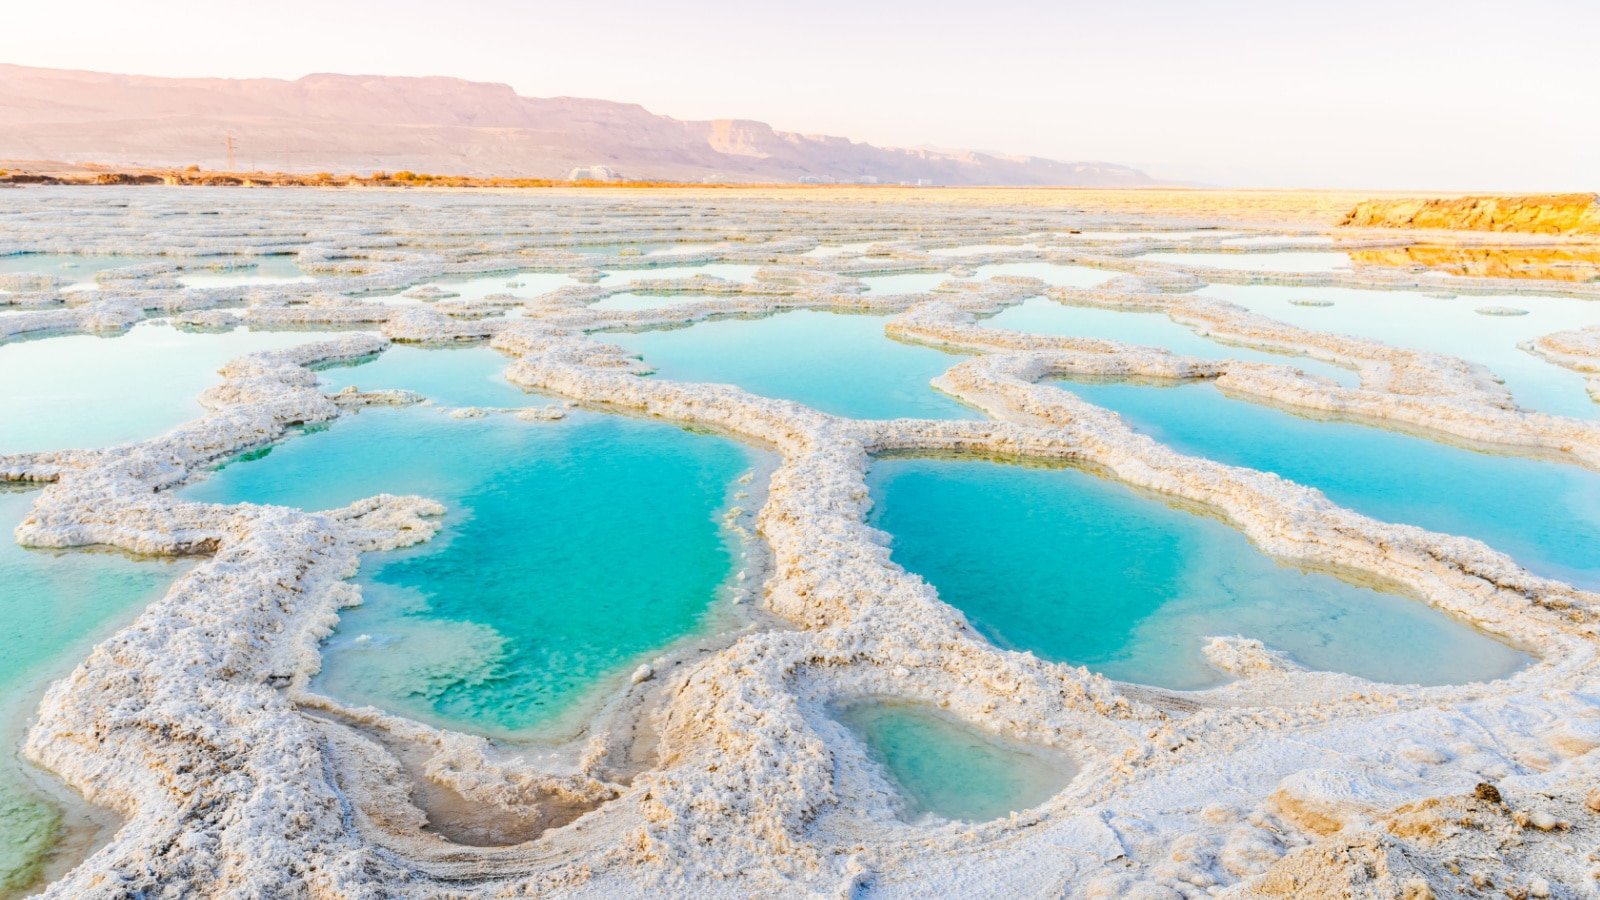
{"x": 593, "y": 173}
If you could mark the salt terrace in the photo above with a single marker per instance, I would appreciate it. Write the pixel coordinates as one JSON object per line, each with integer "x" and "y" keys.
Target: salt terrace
{"x": 718, "y": 767}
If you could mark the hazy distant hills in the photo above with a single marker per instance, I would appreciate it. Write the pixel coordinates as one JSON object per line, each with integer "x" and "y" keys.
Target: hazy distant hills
{"x": 360, "y": 123}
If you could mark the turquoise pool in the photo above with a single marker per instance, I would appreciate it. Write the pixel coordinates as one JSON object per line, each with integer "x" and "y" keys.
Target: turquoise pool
{"x": 1150, "y": 329}
{"x": 1545, "y": 514}
{"x": 54, "y": 605}
{"x": 837, "y": 363}
{"x": 572, "y": 551}
{"x": 946, "y": 768}
{"x": 1083, "y": 570}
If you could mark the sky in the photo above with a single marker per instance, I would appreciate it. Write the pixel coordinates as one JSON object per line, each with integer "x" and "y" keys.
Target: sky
{"x": 1401, "y": 94}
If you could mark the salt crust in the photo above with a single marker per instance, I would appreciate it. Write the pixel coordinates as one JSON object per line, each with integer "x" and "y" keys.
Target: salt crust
{"x": 197, "y": 725}
{"x": 1578, "y": 350}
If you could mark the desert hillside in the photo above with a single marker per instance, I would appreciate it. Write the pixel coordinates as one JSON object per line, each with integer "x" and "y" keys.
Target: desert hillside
{"x": 1534, "y": 214}
{"x": 358, "y": 123}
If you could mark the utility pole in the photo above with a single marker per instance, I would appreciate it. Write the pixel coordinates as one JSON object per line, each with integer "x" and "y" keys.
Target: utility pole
{"x": 230, "y": 151}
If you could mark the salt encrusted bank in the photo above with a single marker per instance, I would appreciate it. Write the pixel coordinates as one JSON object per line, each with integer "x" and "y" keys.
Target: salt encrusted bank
{"x": 721, "y": 772}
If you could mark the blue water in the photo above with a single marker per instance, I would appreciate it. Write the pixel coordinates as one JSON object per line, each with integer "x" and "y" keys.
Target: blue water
{"x": 466, "y": 376}
{"x": 1445, "y": 325}
{"x": 1041, "y": 316}
{"x": 1545, "y": 514}
{"x": 54, "y": 605}
{"x": 1083, "y": 570}
{"x": 80, "y": 391}
{"x": 948, "y": 768}
{"x": 837, "y": 363}
{"x": 572, "y": 551}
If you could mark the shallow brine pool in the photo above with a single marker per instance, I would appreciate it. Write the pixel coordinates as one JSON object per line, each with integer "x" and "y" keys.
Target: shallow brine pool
{"x": 572, "y": 551}
{"x": 949, "y": 769}
{"x": 837, "y": 363}
{"x": 1083, "y": 570}
{"x": 631, "y": 301}
{"x": 525, "y": 285}
{"x": 78, "y": 391}
{"x": 268, "y": 270}
{"x": 451, "y": 376}
{"x": 1544, "y": 514}
{"x": 78, "y": 270}
{"x": 1148, "y": 329}
{"x": 1050, "y": 273}
{"x": 907, "y": 283}
{"x": 53, "y": 606}
{"x": 1449, "y": 325}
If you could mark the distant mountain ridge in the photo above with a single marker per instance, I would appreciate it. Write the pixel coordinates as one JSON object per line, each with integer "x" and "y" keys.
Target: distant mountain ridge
{"x": 360, "y": 123}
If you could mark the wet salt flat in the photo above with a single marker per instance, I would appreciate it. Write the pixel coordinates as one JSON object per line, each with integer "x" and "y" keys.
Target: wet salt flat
{"x": 1050, "y": 273}
{"x": 91, "y": 391}
{"x": 631, "y": 300}
{"x": 975, "y": 249}
{"x": 478, "y": 287}
{"x": 1082, "y": 570}
{"x": 725, "y": 271}
{"x": 573, "y": 551}
{"x": 837, "y": 363}
{"x": 1041, "y": 316}
{"x": 852, "y": 249}
{"x": 1545, "y": 514}
{"x": 268, "y": 270}
{"x": 910, "y": 283}
{"x": 1287, "y": 261}
{"x": 1449, "y": 325}
{"x": 948, "y": 769}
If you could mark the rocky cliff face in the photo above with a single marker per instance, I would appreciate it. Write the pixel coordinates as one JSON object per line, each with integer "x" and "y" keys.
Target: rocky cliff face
{"x": 1534, "y": 214}
{"x": 360, "y": 123}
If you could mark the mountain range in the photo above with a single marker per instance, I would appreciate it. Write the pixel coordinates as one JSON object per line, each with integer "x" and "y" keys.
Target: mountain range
{"x": 364, "y": 123}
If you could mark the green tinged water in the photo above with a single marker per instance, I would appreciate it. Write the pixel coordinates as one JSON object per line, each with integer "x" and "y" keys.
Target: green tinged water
{"x": 53, "y": 606}
{"x": 950, "y": 769}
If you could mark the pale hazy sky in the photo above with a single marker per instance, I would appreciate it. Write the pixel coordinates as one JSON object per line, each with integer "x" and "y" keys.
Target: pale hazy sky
{"x": 1360, "y": 93}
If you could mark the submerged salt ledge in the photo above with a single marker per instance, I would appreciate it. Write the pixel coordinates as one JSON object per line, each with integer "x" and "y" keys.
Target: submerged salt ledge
{"x": 188, "y": 722}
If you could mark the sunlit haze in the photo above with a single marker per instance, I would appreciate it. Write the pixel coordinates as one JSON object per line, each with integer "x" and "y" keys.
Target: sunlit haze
{"x": 1364, "y": 94}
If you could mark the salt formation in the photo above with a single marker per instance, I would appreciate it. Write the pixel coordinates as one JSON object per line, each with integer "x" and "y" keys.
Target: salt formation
{"x": 1576, "y": 350}
{"x": 197, "y": 723}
